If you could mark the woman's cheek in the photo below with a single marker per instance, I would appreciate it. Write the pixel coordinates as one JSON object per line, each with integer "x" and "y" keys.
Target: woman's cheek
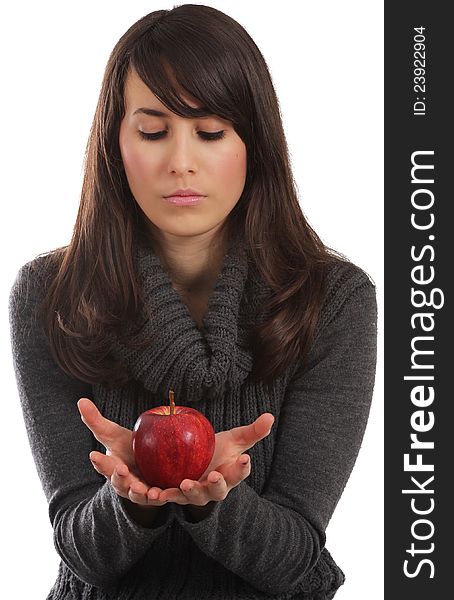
{"x": 234, "y": 171}
{"x": 137, "y": 163}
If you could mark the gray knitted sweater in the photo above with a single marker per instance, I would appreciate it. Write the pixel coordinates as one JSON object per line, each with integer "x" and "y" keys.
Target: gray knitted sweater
{"x": 267, "y": 538}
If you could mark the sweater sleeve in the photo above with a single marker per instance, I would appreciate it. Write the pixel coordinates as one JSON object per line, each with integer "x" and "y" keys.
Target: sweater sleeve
{"x": 93, "y": 534}
{"x": 272, "y": 540}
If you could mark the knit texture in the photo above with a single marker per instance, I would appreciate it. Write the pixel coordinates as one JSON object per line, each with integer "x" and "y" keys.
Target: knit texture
{"x": 193, "y": 363}
{"x": 267, "y": 538}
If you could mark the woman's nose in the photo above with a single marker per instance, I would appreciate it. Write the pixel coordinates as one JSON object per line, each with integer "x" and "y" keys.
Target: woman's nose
{"x": 182, "y": 154}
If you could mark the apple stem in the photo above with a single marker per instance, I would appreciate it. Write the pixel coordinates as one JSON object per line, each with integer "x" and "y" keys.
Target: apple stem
{"x": 172, "y": 403}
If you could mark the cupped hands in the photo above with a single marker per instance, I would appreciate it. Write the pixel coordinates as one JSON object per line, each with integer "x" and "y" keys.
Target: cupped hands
{"x": 227, "y": 469}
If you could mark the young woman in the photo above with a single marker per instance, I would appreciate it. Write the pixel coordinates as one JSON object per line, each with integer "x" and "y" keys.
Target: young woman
{"x": 192, "y": 268}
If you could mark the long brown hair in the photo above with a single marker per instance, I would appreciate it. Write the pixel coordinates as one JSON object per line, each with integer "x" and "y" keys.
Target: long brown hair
{"x": 94, "y": 288}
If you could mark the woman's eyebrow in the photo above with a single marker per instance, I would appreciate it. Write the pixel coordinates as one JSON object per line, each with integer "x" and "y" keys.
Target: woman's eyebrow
{"x": 151, "y": 111}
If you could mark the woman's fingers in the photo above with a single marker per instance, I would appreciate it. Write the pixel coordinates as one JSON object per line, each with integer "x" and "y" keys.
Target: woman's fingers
{"x": 238, "y": 471}
{"x": 120, "y": 481}
{"x": 102, "y": 463}
{"x": 110, "y": 467}
{"x": 138, "y": 492}
{"x": 105, "y": 431}
{"x": 247, "y": 436}
{"x": 127, "y": 486}
{"x": 218, "y": 488}
{"x": 245, "y": 462}
{"x": 124, "y": 482}
{"x": 197, "y": 493}
{"x": 217, "y": 485}
{"x": 173, "y": 495}
{"x": 153, "y": 494}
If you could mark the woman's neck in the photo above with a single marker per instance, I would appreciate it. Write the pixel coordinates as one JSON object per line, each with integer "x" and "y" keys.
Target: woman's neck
{"x": 193, "y": 262}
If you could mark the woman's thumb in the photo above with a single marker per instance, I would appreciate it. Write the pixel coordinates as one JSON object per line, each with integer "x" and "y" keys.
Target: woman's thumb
{"x": 85, "y": 406}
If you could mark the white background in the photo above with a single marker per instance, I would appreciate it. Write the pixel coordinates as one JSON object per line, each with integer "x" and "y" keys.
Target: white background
{"x": 326, "y": 61}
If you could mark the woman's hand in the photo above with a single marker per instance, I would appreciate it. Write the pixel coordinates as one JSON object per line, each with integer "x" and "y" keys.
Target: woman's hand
{"x": 118, "y": 464}
{"x": 227, "y": 469}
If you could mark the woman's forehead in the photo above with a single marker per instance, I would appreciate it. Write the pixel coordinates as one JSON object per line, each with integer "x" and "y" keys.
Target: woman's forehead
{"x": 139, "y": 95}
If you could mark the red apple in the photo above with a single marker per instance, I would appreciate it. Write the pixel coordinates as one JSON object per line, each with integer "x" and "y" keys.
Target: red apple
{"x": 172, "y": 443}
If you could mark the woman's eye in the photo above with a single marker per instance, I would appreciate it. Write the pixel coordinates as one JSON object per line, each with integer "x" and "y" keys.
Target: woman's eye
{"x": 205, "y": 135}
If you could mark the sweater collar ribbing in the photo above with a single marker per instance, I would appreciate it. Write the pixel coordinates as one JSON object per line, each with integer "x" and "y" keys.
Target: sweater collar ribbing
{"x": 194, "y": 363}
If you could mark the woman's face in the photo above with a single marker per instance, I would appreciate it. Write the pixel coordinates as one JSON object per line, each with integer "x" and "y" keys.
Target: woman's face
{"x": 178, "y": 158}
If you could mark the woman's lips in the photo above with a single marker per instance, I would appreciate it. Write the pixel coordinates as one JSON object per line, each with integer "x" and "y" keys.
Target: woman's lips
{"x": 184, "y": 200}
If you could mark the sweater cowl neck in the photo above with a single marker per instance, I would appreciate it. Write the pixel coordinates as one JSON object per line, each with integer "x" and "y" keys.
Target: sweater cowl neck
{"x": 194, "y": 363}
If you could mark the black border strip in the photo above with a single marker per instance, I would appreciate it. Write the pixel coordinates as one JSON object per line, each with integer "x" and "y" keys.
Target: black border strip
{"x": 419, "y": 398}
